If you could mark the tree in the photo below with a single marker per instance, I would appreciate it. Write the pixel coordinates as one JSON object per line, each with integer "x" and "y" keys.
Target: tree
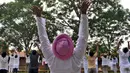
{"x": 107, "y": 18}
{"x": 18, "y": 24}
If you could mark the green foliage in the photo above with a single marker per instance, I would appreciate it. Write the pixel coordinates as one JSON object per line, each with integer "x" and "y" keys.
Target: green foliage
{"x": 3, "y": 45}
{"x": 107, "y": 20}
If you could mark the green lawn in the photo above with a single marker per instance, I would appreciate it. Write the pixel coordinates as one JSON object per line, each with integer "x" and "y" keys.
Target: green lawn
{"x": 46, "y": 72}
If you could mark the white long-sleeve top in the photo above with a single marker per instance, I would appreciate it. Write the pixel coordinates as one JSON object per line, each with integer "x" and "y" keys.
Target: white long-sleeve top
{"x": 16, "y": 61}
{"x": 4, "y": 62}
{"x": 11, "y": 61}
{"x": 71, "y": 65}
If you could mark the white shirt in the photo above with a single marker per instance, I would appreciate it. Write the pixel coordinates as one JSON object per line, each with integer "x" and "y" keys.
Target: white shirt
{"x": 114, "y": 61}
{"x": 28, "y": 59}
{"x": 11, "y": 61}
{"x": 96, "y": 61}
{"x": 123, "y": 58}
{"x": 71, "y": 65}
{"x": 16, "y": 61}
{"x": 4, "y": 62}
{"x": 105, "y": 61}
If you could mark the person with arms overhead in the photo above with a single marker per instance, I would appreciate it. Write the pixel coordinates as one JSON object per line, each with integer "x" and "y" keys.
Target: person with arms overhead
{"x": 123, "y": 58}
{"x": 63, "y": 58}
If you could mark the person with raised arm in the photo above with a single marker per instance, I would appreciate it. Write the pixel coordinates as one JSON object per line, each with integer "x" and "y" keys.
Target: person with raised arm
{"x": 4, "y": 62}
{"x": 92, "y": 59}
{"x": 123, "y": 58}
{"x": 62, "y": 57}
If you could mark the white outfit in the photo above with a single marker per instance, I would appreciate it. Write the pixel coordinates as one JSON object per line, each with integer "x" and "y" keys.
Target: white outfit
{"x": 96, "y": 62}
{"x": 16, "y": 62}
{"x": 28, "y": 59}
{"x": 11, "y": 63}
{"x": 71, "y": 65}
{"x": 114, "y": 64}
{"x": 85, "y": 64}
{"x": 124, "y": 62}
{"x": 4, "y": 62}
{"x": 27, "y": 62}
{"x": 105, "y": 62}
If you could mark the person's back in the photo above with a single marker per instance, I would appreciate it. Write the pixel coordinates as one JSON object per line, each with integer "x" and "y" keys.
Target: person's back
{"x": 72, "y": 65}
{"x": 33, "y": 61}
{"x": 62, "y": 57}
{"x": 4, "y": 62}
{"x": 33, "y": 66}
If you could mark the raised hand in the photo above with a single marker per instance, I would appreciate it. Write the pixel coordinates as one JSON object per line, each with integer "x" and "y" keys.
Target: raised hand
{"x": 37, "y": 11}
{"x": 85, "y": 5}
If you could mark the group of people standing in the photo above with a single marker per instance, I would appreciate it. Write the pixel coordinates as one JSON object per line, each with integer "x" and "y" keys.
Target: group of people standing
{"x": 109, "y": 62}
{"x": 62, "y": 56}
{"x": 9, "y": 63}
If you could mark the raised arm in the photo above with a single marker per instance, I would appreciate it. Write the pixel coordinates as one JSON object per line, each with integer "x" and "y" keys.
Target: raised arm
{"x": 118, "y": 44}
{"x": 45, "y": 43}
{"x": 97, "y": 47}
{"x": 81, "y": 45}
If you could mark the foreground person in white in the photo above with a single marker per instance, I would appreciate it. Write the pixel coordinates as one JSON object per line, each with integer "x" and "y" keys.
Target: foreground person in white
{"x": 63, "y": 58}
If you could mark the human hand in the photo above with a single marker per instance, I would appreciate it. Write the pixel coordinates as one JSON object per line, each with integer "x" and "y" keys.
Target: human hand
{"x": 85, "y": 5}
{"x": 37, "y": 11}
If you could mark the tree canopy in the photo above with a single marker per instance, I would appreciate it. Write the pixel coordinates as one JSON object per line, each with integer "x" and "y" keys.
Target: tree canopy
{"x": 108, "y": 20}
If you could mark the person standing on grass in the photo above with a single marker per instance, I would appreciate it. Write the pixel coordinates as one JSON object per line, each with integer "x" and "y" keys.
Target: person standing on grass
{"x": 63, "y": 58}
{"x": 123, "y": 58}
{"x": 34, "y": 65}
{"x": 114, "y": 64}
{"x": 27, "y": 62}
{"x": 92, "y": 59}
{"x": 16, "y": 62}
{"x": 4, "y": 62}
{"x": 11, "y": 62}
{"x": 105, "y": 62}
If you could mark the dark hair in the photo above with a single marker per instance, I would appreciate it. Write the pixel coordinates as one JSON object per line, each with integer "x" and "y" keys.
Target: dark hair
{"x": 3, "y": 54}
{"x": 27, "y": 55}
{"x": 125, "y": 50}
{"x": 91, "y": 53}
{"x": 34, "y": 52}
{"x": 12, "y": 55}
{"x": 105, "y": 56}
{"x": 16, "y": 56}
{"x": 114, "y": 58}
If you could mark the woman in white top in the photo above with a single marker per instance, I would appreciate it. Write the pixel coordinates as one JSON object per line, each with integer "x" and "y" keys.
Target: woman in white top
{"x": 27, "y": 62}
{"x": 105, "y": 61}
{"x": 3, "y": 63}
{"x": 114, "y": 62}
{"x": 16, "y": 63}
{"x": 11, "y": 62}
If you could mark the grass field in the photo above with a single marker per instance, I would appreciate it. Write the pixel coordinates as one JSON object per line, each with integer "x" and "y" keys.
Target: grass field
{"x": 49, "y": 72}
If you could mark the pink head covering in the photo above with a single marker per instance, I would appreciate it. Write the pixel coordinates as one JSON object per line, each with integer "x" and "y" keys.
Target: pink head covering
{"x": 63, "y": 47}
